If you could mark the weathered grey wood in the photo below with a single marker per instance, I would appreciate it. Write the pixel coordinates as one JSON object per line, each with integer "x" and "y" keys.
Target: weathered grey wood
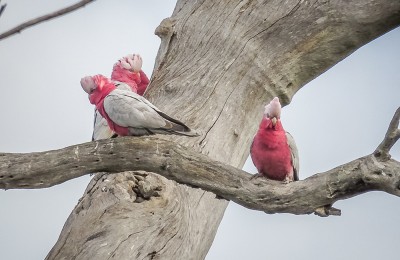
{"x": 130, "y": 215}
{"x": 391, "y": 137}
{"x": 178, "y": 163}
{"x": 218, "y": 64}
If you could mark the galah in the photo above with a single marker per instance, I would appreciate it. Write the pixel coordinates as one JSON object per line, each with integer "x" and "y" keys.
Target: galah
{"x": 129, "y": 70}
{"x": 273, "y": 151}
{"x": 128, "y": 113}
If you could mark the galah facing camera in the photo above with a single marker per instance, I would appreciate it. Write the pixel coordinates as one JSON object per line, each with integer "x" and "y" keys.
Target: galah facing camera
{"x": 273, "y": 151}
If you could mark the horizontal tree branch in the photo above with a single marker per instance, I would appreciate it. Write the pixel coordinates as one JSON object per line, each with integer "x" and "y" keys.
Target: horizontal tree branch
{"x": 44, "y": 18}
{"x": 176, "y": 162}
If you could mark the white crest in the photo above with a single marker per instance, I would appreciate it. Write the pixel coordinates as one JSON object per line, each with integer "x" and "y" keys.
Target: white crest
{"x": 273, "y": 109}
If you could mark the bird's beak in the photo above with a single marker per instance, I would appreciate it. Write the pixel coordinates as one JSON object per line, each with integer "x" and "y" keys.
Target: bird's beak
{"x": 273, "y": 121}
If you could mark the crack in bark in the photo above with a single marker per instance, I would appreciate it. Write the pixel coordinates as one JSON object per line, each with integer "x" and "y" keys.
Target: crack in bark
{"x": 155, "y": 252}
{"x": 206, "y": 43}
{"x": 294, "y": 9}
{"x": 202, "y": 195}
{"x": 189, "y": 16}
{"x": 112, "y": 254}
{"x": 215, "y": 121}
{"x": 186, "y": 68}
{"x": 313, "y": 4}
{"x": 98, "y": 177}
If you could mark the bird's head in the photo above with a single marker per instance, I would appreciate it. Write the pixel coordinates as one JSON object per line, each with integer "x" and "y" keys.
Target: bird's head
{"x": 97, "y": 86}
{"x": 88, "y": 84}
{"x": 131, "y": 62}
{"x": 273, "y": 111}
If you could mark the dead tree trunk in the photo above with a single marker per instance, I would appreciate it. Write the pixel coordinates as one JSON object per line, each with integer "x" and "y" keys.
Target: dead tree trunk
{"x": 218, "y": 64}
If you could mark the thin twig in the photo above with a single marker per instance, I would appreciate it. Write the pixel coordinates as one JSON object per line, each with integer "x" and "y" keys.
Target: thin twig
{"x": 43, "y": 18}
{"x": 2, "y": 8}
{"x": 391, "y": 137}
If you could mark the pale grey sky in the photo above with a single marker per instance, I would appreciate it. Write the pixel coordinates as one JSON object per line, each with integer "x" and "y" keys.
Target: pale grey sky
{"x": 338, "y": 117}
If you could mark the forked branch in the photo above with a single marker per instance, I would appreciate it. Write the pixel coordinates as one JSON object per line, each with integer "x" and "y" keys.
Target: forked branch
{"x": 152, "y": 154}
{"x": 43, "y": 18}
{"x": 391, "y": 137}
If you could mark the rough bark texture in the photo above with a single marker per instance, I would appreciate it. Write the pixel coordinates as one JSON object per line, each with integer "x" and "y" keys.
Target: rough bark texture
{"x": 183, "y": 165}
{"x": 218, "y": 64}
{"x": 130, "y": 215}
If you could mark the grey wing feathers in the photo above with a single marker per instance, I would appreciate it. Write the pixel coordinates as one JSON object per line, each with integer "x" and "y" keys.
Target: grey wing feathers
{"x": 126, "y": 109}
{"x": 131, "y": 110}
{"x": 295, "y": 155}
{"x": 101, "y": 130}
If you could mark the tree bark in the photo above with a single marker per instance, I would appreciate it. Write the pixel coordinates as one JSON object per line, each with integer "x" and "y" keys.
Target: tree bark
{"x": 218, "y": 64}
{"x": 175, "y": 162}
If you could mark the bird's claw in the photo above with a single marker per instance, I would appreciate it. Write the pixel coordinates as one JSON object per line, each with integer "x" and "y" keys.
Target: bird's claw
{"x": 327, "y": 210}
{"x": 287, "y": 180}
{"x": 254, "y": 176}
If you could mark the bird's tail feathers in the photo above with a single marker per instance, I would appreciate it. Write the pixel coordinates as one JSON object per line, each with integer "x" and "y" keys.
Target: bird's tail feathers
{"x": 175, "y": 126}
{"x": 173, "y": 132}
{"x": 164, "y": 131}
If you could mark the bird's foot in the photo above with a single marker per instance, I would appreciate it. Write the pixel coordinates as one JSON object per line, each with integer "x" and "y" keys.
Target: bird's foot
{"x": 254, "y": 176}
{"x": 327, "y": 210}
{"x": 287, "y": 180}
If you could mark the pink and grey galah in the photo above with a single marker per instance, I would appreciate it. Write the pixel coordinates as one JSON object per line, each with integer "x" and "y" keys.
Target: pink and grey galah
{"x": 126, "y": 70}
{"x": 128, "y": 113}
{"x": 273, "y": 151}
